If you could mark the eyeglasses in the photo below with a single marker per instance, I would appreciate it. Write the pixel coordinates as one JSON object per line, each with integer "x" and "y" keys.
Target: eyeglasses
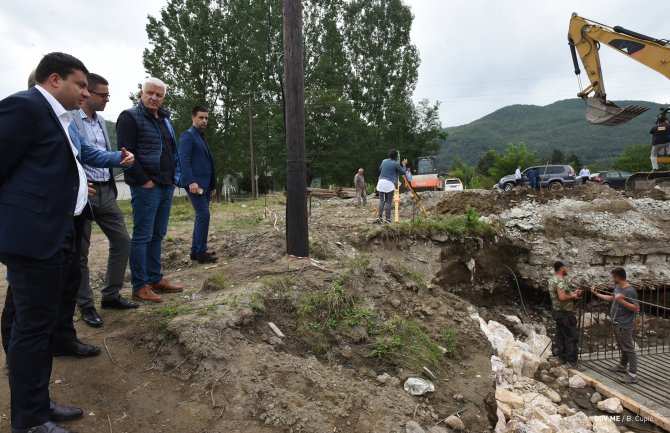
{"x": 104, "y": 96}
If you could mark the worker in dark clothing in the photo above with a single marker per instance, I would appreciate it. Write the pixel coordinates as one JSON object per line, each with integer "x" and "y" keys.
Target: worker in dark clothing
{"x": 533, "y": 175}
{"x": 660, "y": 140}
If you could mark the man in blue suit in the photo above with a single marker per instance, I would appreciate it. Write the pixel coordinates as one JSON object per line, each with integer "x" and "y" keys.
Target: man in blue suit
{"x": 198, "y": 173}
{"x": 42, "y": 188}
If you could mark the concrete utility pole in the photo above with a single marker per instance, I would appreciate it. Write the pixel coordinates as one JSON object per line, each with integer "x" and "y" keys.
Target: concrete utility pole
{"x": 297, "y": 233}
{"x": 252, "y": 175}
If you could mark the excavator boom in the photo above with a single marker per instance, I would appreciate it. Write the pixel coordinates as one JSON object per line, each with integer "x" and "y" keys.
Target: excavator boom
{"x": 585, "y": 38}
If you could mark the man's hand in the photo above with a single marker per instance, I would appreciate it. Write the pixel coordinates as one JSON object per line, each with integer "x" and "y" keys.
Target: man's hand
{"x": 212, "y": 194}
{"x": 91, "y": 190}
{"x": 404, "y": 162}
{"x": 149, "y": 185}
{"x": 577, "y": 294}
{"x": 594, "y": 290}
{"x": 618, "y": 297}
{"x": 193, "y": 188}
{"x": 127, "y": 158}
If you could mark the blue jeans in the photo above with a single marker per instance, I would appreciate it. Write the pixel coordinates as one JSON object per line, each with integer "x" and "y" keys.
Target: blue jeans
{"x": 151, "y": 213}
{"x": 385, "y": 202}
{"x": 201, "y": 227}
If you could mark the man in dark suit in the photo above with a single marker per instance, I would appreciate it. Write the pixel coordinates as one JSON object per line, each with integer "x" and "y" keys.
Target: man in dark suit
{"x": 197, "y": 168}
{"x": 42, "y": 188}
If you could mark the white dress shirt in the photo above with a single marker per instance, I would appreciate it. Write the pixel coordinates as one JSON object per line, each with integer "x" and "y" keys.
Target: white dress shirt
{"x": 65, "y": 120}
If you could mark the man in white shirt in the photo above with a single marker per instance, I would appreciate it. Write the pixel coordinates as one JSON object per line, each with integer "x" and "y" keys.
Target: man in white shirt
{"x": 517, "y": 176}
{"x": 584, "y": 173}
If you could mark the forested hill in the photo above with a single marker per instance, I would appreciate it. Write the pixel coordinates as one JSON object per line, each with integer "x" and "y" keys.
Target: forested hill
{"x": 560, "y": 125}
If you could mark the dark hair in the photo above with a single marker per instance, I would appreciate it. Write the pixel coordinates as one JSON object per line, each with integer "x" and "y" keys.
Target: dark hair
{"x": 558, "y": 265}
{"x": 31, "y": 80}
{"x": 58, "y": 63}
{"x": 393, "y": 154}
{"x": 619, "y": 272}
{"x": 198, "y": 109}
{"x": 96, "y": 80}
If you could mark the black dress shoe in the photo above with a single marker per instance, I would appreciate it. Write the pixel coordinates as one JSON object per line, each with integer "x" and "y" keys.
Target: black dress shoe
{"x": 78, "y": 349}
{"x": 91, "y": 317}
{"x": 206, "y": 258}
{"x": 47, "y": 427}
{"x": 61, "y": 413}
{"x": 211, "y": 253}
{"x": 118, "y": 304}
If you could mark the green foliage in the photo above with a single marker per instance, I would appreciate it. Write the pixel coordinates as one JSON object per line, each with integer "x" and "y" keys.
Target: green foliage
{"x": 360, "y": 72}
{"x": 169, "y": 312}
{"x": 634, "y": 159}
{"x": 515, "y": 155}
{"x": 560, "y": 125}
{"x": 403, "y": 342}
{"x": 413, "y": 274}
{"x": 457, "y": 225}
{"x": 449, "y": 338}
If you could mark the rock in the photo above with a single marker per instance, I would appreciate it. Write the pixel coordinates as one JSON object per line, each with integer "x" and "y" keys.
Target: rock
{"x": 551, "y": 395}
{"x": 418, "y": 386}
{"x": 537, "y": 426}
{"x": 505, "y": 410}
{"x": 565, "y": 410}
{"x": 499, "y": 335}
{"x": 510, "y": 399}
{"x": 347, "y": 352}
{"x": 596, "y": 397}
{"x": 413, "y": 427}
{"x": 546, "y": 378}
{"x": 383, "y": 378}
{"x": 539, "y": 344}
{"x": 437, "y": 429}
{"x": 576, "y": 422}
{"x": 603, "y": 424}
{"x": 558, "y": 372}
{"x": 576, "y": 382}
{"x": 455, "y": 423}
{"x": 611, "y": 405}
{"x": 393, "y": 381}
{"x": 563, "y": 381}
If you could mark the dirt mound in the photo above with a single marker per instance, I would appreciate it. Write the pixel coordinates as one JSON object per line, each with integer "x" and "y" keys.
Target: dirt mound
{"x": 495, "y": 202}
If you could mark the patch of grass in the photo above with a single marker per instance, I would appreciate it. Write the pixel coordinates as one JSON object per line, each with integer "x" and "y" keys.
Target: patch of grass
{"x": 244, "y": 222}
{"x": 449, "y": 339}
{"x": 318, "y": 249}
{"x": 256, "y": 303}
{"x": 402, "y": 342}
{"x": 181, "y": 211}
{"x": 357, "y": 263}
{"x": 169, "y": 312}
{"x": 471, "y": 373}
{"x": 170, "y": 238}
{"x": 456, "y": 225}
{"x": 413, "y": 274}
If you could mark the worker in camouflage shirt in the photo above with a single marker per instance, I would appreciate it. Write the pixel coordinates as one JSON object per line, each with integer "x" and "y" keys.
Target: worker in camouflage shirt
{"x": 562, "y": 298}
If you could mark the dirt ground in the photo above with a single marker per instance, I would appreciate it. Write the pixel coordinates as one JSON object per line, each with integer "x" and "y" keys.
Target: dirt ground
{"x": 207, "y": 360}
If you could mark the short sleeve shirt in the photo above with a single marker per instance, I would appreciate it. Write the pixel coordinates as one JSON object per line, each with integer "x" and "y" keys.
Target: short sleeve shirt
{"x": 620, "y": 315}
{"x": 556, "y": 284}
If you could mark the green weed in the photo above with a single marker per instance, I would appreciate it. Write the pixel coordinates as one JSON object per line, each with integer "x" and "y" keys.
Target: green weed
{"x": 169, "y": 312}
{"x": 404, "y": 343}
{"x": 449, "y": 339}
{"x": 456, "y": 225}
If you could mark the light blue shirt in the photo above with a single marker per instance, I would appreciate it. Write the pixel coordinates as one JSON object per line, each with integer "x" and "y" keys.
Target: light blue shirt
{"x": 96, "y": 137}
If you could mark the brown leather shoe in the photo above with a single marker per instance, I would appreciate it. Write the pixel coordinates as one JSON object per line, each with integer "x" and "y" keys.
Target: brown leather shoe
{"x": 146, "y": 294}
{"x": 164, "y": 286}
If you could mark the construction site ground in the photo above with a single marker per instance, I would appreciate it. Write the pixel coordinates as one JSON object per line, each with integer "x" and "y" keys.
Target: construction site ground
{"x": 207, "y": 360}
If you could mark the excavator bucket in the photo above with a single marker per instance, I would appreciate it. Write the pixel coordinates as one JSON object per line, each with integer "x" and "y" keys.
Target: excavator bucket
{"x": 648, "y": 180}
{"x": 607, "y": 113}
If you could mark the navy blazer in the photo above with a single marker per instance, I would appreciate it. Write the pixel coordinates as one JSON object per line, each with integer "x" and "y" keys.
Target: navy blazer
{"x": 39, "y": 180}
{"x": 197, "y": 164}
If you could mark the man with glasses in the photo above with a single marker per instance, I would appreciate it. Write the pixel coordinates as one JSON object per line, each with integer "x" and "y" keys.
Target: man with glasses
{"x": 106, "y": 211}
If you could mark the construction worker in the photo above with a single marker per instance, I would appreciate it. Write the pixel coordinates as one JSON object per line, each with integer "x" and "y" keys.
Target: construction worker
{"x": 533, "y": 175}
{"x": 562, "y": 302}
{"x": 660, "y": 138}
{"x": 388, "y": 179}
{"x": 622, "y": 312}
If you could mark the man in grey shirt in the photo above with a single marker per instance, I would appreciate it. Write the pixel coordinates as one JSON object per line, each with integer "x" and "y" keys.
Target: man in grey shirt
{"x": 622, "y": 312}
{"x": 359, "y": 183}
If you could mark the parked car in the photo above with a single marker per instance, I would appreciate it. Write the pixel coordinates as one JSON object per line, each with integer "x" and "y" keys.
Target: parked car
{"x": 614, "y": 179}
{"x": 453, "y": 184}
{"x": 549, "y": 176}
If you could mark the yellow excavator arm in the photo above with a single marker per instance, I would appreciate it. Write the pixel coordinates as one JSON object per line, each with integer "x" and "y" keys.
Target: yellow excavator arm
{"x": 585, "y": 38}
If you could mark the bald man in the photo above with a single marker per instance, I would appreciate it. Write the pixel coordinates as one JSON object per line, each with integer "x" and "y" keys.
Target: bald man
{"x": 359, "y": 183}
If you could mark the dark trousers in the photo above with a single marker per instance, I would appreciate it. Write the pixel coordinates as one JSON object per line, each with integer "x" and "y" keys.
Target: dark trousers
{"x": 565, "y": 341}
{"x": 64, "y": 330}
{"x": 38, "y": 305}
{"x": 200, "y": 204}
{"x": 624, "y": 337}
{"x": 110, "y": 219}
{"x": 385, "y": 205}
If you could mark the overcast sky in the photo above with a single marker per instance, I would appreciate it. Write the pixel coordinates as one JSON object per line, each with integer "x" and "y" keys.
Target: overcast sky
{"x": 476, "y": 55}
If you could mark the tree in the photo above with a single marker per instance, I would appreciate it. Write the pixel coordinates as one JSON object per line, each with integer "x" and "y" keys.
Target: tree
{"x": 516, "y": 155}
{"x": 634, "y": 159}
{"x": 487, "y": 161}
{"x": 556, "y": 157}
{"x": 574, "y": 161}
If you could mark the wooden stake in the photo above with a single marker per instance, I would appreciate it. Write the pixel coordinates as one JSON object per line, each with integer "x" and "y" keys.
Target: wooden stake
{"x": 297, "y": 234}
